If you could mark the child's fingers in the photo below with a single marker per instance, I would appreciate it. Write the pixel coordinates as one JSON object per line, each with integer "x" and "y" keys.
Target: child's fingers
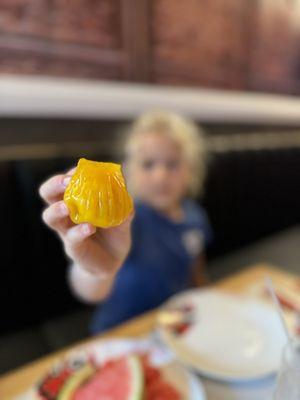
{"x": 71, "y": 171}
{"x": 52, "y": 190}
{"x": 56, "y": 217}
{"x": 77, "y": 234}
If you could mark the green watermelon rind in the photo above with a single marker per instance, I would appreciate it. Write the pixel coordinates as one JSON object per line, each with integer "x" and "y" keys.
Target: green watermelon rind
{"x": 137, "y": 372}
{"x": 75, "y": 381}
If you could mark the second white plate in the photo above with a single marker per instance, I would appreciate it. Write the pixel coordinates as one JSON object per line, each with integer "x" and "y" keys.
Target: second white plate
{"x": 232, "y": 338}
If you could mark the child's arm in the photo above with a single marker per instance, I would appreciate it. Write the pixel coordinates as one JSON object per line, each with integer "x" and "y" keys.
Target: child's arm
{"x": 200, "y": 277}
{"x": 97, "y": 254}
{"x": 89, "y": 287}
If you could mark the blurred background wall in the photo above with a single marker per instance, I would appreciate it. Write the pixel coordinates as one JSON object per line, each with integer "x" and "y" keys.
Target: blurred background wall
{"x": 243, "y": 45}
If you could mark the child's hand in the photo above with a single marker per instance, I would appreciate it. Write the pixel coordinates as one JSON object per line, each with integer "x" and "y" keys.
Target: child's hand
{"x": 99, "y": 251}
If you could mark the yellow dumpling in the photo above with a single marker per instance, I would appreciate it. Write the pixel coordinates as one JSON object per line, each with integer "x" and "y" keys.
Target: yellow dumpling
{"x": 97, "y": 194}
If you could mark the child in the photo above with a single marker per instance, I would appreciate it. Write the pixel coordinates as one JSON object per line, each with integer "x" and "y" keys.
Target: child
{"x": 132, "y": 269}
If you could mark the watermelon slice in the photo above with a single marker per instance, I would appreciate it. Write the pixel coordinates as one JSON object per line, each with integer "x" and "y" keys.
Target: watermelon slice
{"x": 75, "y": 381}
{"x": 120, "y": 379}
{"x": 156, "y": 388}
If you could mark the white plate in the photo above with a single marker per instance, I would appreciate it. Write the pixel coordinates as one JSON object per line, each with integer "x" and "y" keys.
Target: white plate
{"x": 187, "y": 384}
{"x": 232, "y": 338}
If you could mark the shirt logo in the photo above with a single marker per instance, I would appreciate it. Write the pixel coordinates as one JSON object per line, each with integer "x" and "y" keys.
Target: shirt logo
{"x": 193, "y": 242}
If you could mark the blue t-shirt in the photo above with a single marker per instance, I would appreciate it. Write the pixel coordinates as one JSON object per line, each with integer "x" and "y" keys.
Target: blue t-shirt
{"x": 159, "y": 263}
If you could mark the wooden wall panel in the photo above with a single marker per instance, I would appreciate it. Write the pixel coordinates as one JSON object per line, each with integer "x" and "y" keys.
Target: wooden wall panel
{"x": 78, "y": 38}
{"x": 275, "y": 54}
{"x": 43, "y": 65}
{"x": 77, "y": 21}
{"x": 136, "y": 41}
{"x": 200, "y": 42}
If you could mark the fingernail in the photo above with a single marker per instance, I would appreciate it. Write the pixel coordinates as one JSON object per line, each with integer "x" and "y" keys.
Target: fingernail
{"x": 66, "y": 181}
{"x": 64, "y": 209}
{"x": 86, "y": 229}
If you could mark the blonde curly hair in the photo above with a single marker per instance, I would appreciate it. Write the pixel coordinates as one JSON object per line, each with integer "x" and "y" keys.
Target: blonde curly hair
{"x": 184, "y": 132}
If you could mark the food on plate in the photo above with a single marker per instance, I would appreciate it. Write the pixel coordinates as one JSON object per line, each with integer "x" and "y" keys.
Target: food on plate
{"x": 129, "y": 377}
{"x": 120, "y": 379}
{"x": 75, "y": 381}
{"x": 97, "y": 194}
{"x": 64, "y": 380}
{"x": 156, "y": 388}
{"x": 177, "y": 320}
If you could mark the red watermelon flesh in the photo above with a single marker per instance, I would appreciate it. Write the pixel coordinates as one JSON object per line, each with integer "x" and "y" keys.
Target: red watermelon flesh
{"x": 161, "y": 390}
{"x": 155, "y": 386}
{"x": 121, "y": 379}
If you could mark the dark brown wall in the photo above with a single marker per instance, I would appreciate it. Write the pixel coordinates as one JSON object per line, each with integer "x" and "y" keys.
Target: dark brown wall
{"x": 202, "y": 44}
{"x": 244, "y": 45}
{"x": 81, "y": 38}
{"x": 275, "y": 50}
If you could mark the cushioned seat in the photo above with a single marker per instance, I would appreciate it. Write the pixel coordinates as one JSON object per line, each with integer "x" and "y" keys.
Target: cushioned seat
{"x": 19, "y": 348}
{"x": 27, "y": 345}
{"x": 63, "y": 331}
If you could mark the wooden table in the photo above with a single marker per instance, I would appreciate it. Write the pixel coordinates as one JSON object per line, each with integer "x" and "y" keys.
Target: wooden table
{"x": 18, "y": 381}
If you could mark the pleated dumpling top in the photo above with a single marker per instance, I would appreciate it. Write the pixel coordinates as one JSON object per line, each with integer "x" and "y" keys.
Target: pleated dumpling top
{"x": 97, "y": 194}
